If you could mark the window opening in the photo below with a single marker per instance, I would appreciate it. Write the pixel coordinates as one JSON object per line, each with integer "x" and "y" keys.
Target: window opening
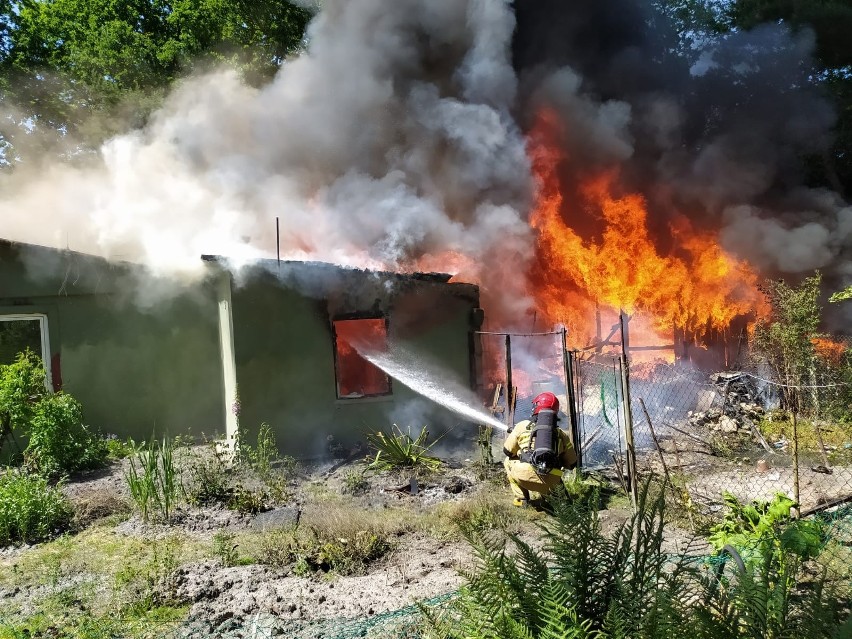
{"x": 20, "y": 332}
{"x": 357, "y": 376}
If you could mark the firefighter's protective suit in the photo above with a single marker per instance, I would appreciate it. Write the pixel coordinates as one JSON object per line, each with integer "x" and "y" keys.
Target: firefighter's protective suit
{"x": 526, "y": 482}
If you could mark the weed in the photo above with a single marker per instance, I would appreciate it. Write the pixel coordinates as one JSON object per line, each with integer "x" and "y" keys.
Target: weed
{"x": 480, "y": 514}
{"x": 144, "y": 584}
{"x": 118, "y": 449}
{"x": 30, "y": 509}
{"x": 399, "y": 450}
{"x": 225, "y": 549}
{"x": 355, "y": 482}
{"x": 262, "y": 459}
{"x": 155, "y": 485}
{"x": 246, "y": 501}
{"x": 208, "y": 477}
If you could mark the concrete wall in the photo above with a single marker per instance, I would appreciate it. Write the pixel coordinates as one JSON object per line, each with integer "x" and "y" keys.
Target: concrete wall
{"x": 285, "y": 352}
{"x": 141, "y": 355}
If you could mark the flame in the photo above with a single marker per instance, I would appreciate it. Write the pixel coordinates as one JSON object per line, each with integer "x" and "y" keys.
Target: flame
{"x": 357, "y": 377}
{"x": 832, "y": 351}
{"x": 694, "y": 287}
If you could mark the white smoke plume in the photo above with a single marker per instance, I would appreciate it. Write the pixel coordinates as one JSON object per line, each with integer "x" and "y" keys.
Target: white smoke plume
{"x": 387, "y": 143}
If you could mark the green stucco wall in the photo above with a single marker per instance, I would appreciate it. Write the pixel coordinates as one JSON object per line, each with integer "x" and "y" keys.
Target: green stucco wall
{"x": 285, "y": 353}
{"x": 141, "y": 354}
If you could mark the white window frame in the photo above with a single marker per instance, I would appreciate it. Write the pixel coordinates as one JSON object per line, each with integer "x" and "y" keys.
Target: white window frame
{"x": 41, "y": 318}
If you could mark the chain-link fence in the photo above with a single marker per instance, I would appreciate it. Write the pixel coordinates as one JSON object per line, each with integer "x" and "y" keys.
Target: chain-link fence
{"x": 715, "y": 437}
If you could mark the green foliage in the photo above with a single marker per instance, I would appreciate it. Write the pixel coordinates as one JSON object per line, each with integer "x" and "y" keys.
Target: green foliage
{"x": 785, "y": 341}
{"x": 21, "y": 387}
{"x": 154, "y": 486}
{"x": 312, "y": 549}
{"x": 398, "y": 450}
{"x": 225, "y": 548}
{"x": 583, "y": 583}
{"x": 842, "y": 296}
{"x": 355, "y": 482}
{"x": 246, "y": 501}
{"x": 67, "y": 59}
{"x": 30, "y": 509}
{"x": 765, "y": 529}
{"x": 263, "y": 458}
{"x": 208, "y": 477}
{"x": 59, "y": 442}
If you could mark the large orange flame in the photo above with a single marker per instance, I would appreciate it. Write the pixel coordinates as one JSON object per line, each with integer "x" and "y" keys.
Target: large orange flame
{"x": 696, "y": 286}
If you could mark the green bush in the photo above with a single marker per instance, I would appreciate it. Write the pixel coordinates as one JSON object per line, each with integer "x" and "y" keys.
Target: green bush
{"x": 30, "y": 509}
{"x": 21, "y": 386}
{"x": 59, "y": 441}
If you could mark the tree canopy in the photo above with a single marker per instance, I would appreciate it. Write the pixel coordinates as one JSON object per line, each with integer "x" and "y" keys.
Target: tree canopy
{"x": 61, "y": 60}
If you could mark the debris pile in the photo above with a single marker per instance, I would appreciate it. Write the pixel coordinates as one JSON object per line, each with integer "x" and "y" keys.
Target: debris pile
{"x": 740, "y": 405}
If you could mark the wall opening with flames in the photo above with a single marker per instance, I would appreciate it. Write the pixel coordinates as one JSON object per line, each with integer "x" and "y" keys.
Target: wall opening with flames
{"x": 357, "y": 377}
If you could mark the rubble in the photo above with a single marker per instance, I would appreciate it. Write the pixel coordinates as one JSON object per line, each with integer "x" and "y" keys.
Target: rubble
{"x": 740, "y": 405}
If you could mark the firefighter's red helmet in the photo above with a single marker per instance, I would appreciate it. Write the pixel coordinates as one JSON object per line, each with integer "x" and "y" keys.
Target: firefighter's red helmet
{"x": 545, "y": 401}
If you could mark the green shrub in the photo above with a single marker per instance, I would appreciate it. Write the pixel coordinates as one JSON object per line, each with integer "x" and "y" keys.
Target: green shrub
{"x": 761, "y": 531}
{"x": 21, "y": 386}
{"x": 208, "y": 475}
{"x": 59, "y": 441}
{"x": 30, "y": 509}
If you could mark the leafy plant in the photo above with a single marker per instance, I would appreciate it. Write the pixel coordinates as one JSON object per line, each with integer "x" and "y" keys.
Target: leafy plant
{"x": 208, "y": 477}
{"x": 262, "y": 459}
{"x": 398, "y": 450}
{"x": 59, "y": 442}
{"x": 30, "y": 509}
{"x": 225, "y": 548}
{"x": 21, "y": 387}
{"x": 762, "y": 529}
{"x": 246, "y": 501}
{"x": 154, "y": 486}
{"x": 785, "y": 340}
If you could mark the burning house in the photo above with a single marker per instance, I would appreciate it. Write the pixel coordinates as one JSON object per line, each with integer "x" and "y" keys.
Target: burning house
{"x": 573, "y": 161}
{"x": 283, "y": 344}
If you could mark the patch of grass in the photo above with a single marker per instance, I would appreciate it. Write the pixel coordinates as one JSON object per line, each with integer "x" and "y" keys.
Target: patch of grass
{"x": 97, "y": 505}
{"x": 836, "y": 437}
{"x": 339, "y": 538}
{"x": 488, "y": 510}
{"x": 30, "y": 509}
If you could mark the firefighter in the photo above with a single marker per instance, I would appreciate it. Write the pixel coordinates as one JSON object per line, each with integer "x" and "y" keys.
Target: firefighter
{"x": 536, "y": 452}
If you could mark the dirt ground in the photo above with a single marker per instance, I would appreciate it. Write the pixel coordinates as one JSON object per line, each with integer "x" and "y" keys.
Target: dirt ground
{"x": 113, "y": 548}
{"x": 244, "y": 600}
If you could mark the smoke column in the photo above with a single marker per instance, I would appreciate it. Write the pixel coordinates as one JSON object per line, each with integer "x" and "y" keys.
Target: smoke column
{"x": 398, "y": 141}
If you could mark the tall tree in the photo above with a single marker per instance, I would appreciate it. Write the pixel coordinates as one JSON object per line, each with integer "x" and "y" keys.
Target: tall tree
{"x": 62, "y": 60}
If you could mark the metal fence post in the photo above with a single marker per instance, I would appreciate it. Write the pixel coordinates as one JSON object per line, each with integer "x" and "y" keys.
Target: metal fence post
{"x": 632, "y": 478}
{"x": 568, "y": 361}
